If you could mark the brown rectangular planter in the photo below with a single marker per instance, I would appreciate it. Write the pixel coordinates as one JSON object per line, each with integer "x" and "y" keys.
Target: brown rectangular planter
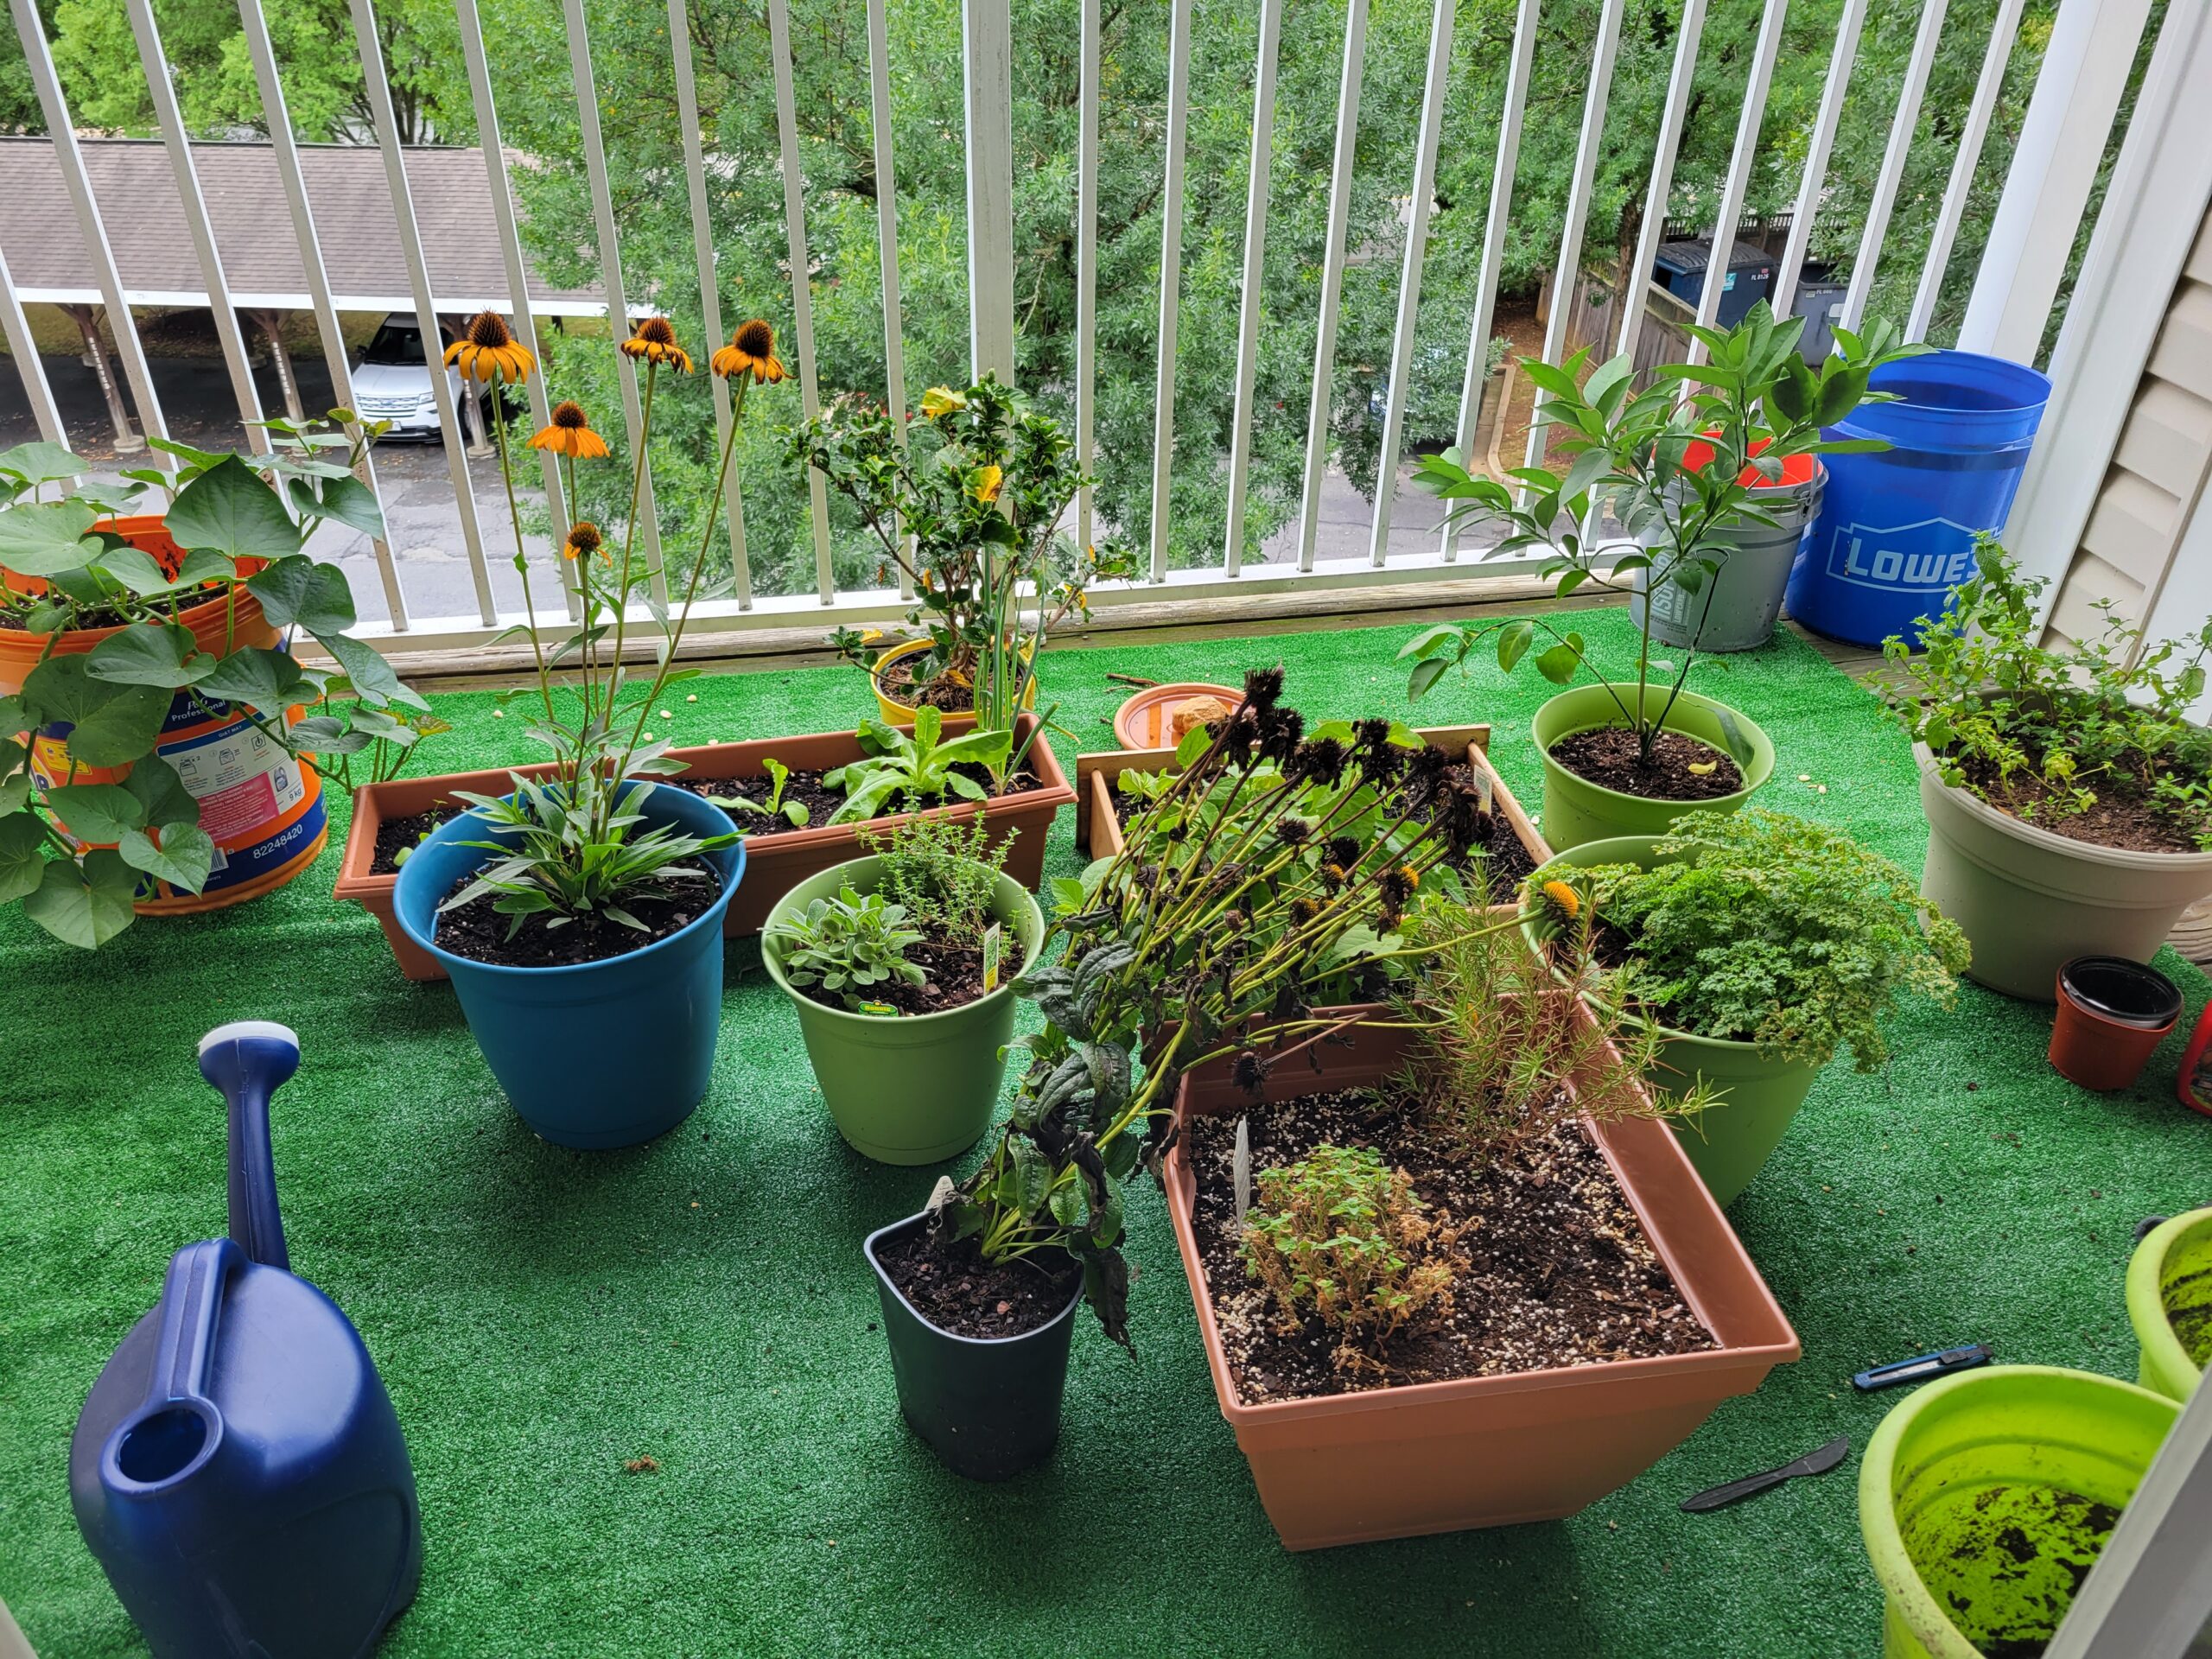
{"x": 774, "y": 864}
{"x": 1490, "y": 1450}
{"x": 1098, "y": 827}
{"x": 376, "y": 804}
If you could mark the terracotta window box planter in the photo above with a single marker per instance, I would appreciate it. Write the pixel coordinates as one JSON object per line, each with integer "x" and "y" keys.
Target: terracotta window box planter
{"x": 1490, "y": 1450}
{"x": 1098, "y": 827}
{"x": 774, "y": 864}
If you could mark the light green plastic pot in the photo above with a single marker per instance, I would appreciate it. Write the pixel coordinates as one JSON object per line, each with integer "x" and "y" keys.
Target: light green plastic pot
{"x": 1729, "y": 1143}
{"x": 918, "y": 1089}
{"x": 1984, "y": 1499}
{"x": 2170, "y": 1303}
{"x": 1576, "y": 811}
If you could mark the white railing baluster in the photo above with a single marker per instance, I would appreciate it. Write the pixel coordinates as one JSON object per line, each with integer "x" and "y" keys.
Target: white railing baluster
{"x": 28, "y": 365}
{"x": 278, "y": 116}
{"x": 2086, "y": 66}
{"x": 1567, "y": 282}
{"x": 419, "y": 278}
{"x": 710, "y": 295}
{"x": 1738, "y": 182}
{"x": 779, "y": 42}
{"x": 510, "y": 233}
{"x": 1088, "y": 91}
{"x": 1814, "y": 180}
{"x": 175, "y": 141}
{"x": 1474, "y": 379}
{"x": 2002, "y": 33}
{"x": 40, "y": 58}
{"x": 610, "y": 266}
{"x": 1884, "y": 198}
{"x": 1255, "y": 244}
{"x": 987, "y": 66}
{"x": 1402, "y": 348}
{"x": 1319, "y": 405}
{"x": 886, "y": 236}
{"x": 1170, "y": 279}
{"x": 1665, "y": 149}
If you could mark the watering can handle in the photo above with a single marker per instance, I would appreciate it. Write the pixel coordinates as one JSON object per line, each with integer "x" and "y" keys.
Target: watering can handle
{"x": 192, "y": 1308}
{"x": 248, "y": 1060}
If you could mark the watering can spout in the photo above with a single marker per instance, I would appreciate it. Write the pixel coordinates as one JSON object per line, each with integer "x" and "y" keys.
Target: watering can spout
{"x": 248, "y": 1059}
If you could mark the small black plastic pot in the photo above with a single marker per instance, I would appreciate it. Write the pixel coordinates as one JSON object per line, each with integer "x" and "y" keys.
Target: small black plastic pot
{"x": 988, "y": 1409}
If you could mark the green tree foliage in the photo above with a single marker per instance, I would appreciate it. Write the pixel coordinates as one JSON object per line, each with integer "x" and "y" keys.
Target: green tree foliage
{"x": 730, "y": 49}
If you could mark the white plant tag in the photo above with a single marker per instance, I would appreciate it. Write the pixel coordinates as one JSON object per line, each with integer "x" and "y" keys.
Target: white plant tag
{"x": 994, "y": 941}
{"x": 1241, "y": 1169}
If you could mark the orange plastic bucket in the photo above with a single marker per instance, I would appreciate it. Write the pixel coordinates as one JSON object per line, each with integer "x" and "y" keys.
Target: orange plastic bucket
{"x": 261, "y": 806}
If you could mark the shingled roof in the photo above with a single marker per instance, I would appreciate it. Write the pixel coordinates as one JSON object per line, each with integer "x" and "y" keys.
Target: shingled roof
{"x": 353, "y": 220}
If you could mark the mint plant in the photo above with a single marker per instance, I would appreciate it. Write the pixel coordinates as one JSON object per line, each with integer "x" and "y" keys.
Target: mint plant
{"x": 2044, "y": 732}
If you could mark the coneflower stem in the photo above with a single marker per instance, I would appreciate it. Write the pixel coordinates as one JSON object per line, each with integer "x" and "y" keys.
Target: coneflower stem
{"x": 630, "y": 534}
{"x": 522, "y": 562}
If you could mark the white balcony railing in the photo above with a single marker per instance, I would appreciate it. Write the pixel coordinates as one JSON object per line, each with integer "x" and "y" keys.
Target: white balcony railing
{"x": 2049, "y": 181}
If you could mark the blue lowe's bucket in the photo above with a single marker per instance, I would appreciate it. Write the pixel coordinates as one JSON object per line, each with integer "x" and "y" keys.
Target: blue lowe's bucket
{"x": 1897, "y": 529}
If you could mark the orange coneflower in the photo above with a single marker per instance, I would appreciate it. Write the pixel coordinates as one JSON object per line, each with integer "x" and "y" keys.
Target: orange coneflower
{"x": 570, "y": 435}
{"x": 488, "y": 352}
{"x": 1563, "y": 895}
{"x": 655, "y": 341}
{"x": 751, "y": 350}
{"x": 583, "y": 540}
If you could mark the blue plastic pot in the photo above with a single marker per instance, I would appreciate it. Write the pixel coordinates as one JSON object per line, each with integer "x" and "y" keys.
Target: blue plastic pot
{"x": 1897, "y": 529}
{"x": 604, "y": 1053}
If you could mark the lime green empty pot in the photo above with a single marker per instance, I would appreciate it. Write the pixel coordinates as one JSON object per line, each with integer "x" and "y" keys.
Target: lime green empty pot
{"x": 1730, "y": 1142}
{"x": 1985, "y": 1498}
{"x": 1576, "y": 810}
{"x": 2170, "y": 1303}
{"x": 912, "y": 1089}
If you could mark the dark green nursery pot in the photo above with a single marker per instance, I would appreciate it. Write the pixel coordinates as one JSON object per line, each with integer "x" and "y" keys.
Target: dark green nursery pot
{"x": 988, "y": 1407}
{"x": 912, "y": 1089}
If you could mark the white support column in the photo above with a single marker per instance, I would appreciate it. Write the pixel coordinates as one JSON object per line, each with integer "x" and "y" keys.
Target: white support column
{"x": 2002, "y": 33}
{"x": 426, "y": 315}
{"x": 1171, "y": 280}
{"x": 1090, "y": 90}
{"x": 1255, "y": 243}
{"x": 503, "y": 216}
{"x": 779, "y": 43}
{"x": 2084, "y": 73}
{"x": 1876, "y": 227}
{"x": 886, "y": 236}
{"x": 1567, "y": 282}
{"x": 31, "y": 32}
{"x": 1738, "y": 182}
{"x": 1320, "y": 403}
{"x": 2153, "y": 208}
{"x": 170, "y": 120}
{"x": 610, "y": 266}
{"x": 1476, "y": 375}
{"x": 1402, "y": 348}
{"x": 987, "y": 63}
{"x": 1662, "y": 172}
{"x": 28, "y": 366}
{"x": 275, "y": 111}
{"x": 711, "y": 297}
{"x": 1814, "y": 182}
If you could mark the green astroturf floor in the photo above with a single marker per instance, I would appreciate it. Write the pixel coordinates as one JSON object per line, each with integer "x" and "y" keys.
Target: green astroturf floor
{"x": 541, "y": 1316}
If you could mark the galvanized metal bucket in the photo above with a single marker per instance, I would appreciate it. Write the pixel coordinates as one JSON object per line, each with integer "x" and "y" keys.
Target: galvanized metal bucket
{"x": 1739, "y": 612}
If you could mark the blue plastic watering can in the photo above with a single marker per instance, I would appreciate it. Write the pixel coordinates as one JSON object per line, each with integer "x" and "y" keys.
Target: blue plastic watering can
{"x": 238, "y": 1470}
